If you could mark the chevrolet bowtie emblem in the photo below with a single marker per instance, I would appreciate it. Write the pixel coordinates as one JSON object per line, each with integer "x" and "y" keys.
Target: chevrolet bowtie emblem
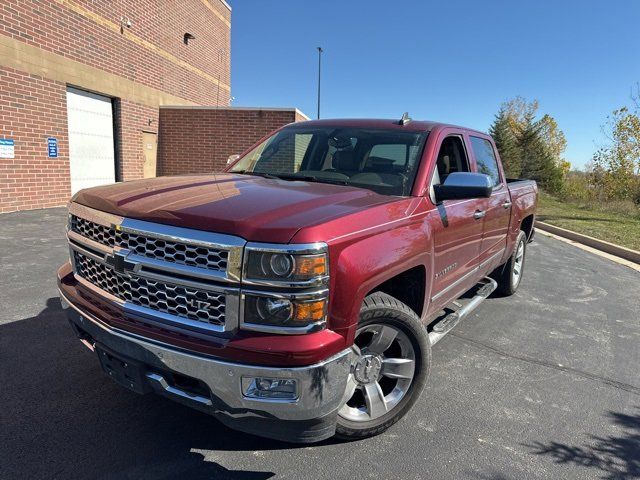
{"x": 120, "y": 263}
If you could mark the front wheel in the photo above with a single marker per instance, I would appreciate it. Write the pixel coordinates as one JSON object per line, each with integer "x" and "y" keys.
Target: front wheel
{"x": 392, "y": 356}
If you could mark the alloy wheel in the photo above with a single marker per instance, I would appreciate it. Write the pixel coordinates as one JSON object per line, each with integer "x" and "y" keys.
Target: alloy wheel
{"x": 517, "y": 264}
{"x": 381, "y": 373}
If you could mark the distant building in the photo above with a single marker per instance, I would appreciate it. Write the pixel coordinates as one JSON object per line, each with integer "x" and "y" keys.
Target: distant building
{"x": 81, "y": 83}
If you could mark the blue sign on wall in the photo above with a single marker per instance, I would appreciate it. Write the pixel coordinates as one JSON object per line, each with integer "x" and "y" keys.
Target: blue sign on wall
{"x": 52, "y": 147}
{"x": 7, "y": 148}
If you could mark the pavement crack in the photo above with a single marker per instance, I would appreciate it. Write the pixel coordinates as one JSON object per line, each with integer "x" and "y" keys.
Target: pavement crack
{"x": 524, "y": 358}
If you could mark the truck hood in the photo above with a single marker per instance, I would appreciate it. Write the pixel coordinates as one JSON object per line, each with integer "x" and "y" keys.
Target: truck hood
{"x": 254, "y": 208}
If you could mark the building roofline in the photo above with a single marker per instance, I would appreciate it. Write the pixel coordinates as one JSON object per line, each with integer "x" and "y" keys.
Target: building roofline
{"x": 226, "y": 4}
{"x": 208, "y": 107}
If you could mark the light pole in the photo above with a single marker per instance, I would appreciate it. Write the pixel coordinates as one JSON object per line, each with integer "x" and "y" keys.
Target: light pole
{"x": 319, "y": 66}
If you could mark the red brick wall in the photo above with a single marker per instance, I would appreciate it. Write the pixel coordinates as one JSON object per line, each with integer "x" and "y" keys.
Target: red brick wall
{"x": 150, "y": 53}
{"x": 135, "y": 119}
{"x": 32, "y": 109}
{"x": 199, "y": 140}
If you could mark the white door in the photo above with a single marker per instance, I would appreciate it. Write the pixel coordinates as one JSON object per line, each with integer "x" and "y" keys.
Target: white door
{"x": 91, "y": 152}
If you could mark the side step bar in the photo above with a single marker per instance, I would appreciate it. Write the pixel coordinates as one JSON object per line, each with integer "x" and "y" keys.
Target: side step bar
{"x": 485, "y": 287}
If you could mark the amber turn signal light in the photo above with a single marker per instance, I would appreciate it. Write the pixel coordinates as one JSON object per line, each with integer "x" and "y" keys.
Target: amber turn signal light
{"x": 311, "y": 266}
{"x": 309, "y": 312}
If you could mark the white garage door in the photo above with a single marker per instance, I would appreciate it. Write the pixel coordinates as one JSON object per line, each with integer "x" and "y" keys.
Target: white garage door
{"x": 91, "y": 152}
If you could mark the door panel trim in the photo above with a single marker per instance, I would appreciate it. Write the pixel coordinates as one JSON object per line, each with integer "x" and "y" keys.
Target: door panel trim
{"x": 465, "y": 276}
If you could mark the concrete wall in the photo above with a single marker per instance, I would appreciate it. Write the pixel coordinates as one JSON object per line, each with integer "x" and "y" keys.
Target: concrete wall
{"x": 199, "y": 140}
{"x": 47, "y": 45}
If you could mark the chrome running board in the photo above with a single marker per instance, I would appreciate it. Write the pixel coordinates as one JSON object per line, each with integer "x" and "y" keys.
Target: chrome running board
{"x": 462, "y": 307}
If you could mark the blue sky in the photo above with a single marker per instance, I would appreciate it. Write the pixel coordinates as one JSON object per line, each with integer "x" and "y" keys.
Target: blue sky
{"x": 446, "y": 61}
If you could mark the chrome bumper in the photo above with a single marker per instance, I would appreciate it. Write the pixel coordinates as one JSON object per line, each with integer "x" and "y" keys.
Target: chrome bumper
{"x": 320, "y": 386}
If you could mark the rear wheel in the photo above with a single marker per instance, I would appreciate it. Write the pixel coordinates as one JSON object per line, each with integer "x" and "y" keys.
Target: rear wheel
{"x": 390, "y": 366}
{"x": 509, "y": 275}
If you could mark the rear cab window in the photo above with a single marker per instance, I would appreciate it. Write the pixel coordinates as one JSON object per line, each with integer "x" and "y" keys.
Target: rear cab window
{"x": 486, "y": 160}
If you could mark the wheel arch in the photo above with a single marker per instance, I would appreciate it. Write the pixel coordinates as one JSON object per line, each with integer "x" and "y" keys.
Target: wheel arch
{"x": 409, "y": 287}
{"x": 526, "y": 225}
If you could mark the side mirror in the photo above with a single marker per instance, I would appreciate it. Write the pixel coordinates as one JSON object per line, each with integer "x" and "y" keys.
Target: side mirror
{"x": 232, "y": 158}
{"x": 463, "y": 185}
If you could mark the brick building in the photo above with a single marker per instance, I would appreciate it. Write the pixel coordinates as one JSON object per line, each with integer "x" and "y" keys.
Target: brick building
{"x": 82, "y": 83}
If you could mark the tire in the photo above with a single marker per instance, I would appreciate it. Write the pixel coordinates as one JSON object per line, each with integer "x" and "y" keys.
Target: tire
{"x": 380, "y": 316}
{"x": 508, "y": 282}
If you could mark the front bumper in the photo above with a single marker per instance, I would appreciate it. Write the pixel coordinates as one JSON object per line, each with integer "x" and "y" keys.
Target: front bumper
{"x": 309, "y": 418}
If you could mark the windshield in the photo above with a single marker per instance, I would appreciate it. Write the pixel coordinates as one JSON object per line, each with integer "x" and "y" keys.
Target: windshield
{"x": 381, "y": 160}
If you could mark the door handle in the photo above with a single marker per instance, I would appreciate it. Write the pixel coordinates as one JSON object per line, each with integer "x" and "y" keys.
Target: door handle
{"x": 506, "y": 204}
{"x": 479, "y": 214}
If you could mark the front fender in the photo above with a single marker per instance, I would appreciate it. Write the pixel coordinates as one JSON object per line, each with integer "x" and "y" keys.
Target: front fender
{"x": 364, "y": 264}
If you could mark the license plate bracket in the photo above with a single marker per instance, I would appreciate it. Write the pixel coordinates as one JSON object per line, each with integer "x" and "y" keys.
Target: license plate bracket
{"x": 125, "y": 372}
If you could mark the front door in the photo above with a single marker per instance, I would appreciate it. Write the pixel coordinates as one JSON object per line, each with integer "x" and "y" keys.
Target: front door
{"x": 457, "y": 232}
{"x": 150, "y": 149}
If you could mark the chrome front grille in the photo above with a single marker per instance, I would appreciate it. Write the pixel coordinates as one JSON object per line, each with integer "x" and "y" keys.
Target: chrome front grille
{"x": 172, "y": 299}
{"x": 94, "y": 231}
{"x": 151, "y": 247}
{"x": 199, "y": 305}
{"x": 192, "y": 255}
{"x": 98, "y": 274}
{"x": 183, "y": 277}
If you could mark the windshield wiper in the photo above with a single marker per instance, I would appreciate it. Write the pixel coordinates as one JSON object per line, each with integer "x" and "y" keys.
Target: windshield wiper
{"x": 255, "y": 174}
{"x": 311, "y": 178}
{"x": 294, "y": 177}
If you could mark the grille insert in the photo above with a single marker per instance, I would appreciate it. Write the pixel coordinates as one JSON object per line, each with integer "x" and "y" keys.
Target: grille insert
{"x": 94, "y": 231}
{"x": 177, "y": 300}
{"x": 174, "y": 252}
{"x": 152, "y": 247}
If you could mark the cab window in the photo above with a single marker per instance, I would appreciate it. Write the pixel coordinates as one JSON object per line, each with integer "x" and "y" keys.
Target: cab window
{"x": 451, "y": 158}
{"x": 485, "y": 158}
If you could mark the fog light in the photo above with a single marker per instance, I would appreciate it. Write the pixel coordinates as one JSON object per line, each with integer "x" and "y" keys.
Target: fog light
{"x": 269, "y": 388}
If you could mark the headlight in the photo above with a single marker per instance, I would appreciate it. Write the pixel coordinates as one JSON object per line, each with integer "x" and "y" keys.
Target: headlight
{"x": 286, "y": 265}
{"x": 284, "y": 313}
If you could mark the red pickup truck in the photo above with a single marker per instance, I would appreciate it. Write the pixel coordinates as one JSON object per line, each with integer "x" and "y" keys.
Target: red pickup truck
{"x": 298, "y": 294}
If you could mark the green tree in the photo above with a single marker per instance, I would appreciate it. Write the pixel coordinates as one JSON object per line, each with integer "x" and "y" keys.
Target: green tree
{"x": 553, "y": 137}
{"x": 616, "y": 166}
{"x": 538, "y": 160}
{"x": 530, "y": 147}
{"x": 507, "y": 144}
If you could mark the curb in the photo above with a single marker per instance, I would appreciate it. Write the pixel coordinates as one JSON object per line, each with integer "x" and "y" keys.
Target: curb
{"x": 610, "y": 248}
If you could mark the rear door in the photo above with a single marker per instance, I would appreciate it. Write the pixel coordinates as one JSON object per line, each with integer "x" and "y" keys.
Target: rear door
{"x": 497, "y": 208}
{"x": 150, "y": 149}
{"x": 456, "y": 230}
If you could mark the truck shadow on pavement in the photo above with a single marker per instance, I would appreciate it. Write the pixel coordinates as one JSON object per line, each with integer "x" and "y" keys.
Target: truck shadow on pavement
{"x": 61, "y": 416}
{"x": 617, "y": 457}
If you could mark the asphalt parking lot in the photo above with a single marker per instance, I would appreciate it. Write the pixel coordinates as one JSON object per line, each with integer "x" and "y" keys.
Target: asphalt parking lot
{"x": 545, "y": 384}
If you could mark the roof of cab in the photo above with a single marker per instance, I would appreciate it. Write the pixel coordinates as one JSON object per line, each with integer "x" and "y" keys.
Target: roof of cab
{"x": 412, "y": 126}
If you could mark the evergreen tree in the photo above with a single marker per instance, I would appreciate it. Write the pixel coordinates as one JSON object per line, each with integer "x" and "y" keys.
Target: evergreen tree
{"x": 529, "y": 148}
{"x": 506, "y": 143}
{"x": 538, "y": 160}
